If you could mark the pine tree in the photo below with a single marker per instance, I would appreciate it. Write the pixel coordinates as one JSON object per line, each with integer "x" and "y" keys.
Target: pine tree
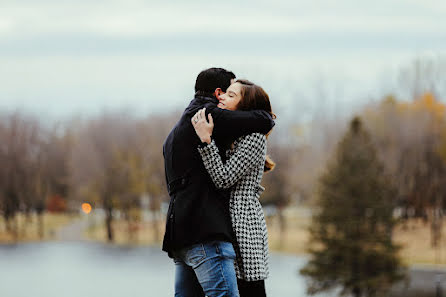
{"x": 351, "y": 244}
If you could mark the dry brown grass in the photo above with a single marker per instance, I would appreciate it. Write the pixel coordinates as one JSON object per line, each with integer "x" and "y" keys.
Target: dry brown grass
{"x": 143, "y": 233}
{"x": 28, "y": 227}
{"x": 415, "y": 238}
{"x": 294, "y": 239}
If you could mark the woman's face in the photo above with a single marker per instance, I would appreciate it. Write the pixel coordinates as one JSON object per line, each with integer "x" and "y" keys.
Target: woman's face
{"x": 231, "y": 98}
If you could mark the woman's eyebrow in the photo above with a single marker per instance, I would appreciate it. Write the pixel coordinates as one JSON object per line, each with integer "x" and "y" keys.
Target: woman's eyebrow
{"x": 231, "y": 92}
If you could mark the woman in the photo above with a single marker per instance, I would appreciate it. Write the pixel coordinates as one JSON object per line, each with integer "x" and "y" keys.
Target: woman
{"x": 242, "y": 173}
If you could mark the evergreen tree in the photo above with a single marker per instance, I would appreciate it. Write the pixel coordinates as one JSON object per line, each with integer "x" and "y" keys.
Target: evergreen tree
{"x": 351, "y": 232}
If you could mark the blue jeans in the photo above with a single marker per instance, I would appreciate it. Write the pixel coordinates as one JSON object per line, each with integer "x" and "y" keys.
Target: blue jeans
{"x": 206, "y": 269}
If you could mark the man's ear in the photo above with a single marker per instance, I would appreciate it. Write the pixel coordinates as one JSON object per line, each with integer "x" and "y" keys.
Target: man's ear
{"x": 218, "y": 92}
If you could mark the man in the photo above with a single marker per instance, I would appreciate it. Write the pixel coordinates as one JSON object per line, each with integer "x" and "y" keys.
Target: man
{"x": 198, "y": 233}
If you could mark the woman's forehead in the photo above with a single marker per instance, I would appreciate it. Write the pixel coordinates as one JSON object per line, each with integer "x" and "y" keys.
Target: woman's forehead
{"x": 235, "y": 87}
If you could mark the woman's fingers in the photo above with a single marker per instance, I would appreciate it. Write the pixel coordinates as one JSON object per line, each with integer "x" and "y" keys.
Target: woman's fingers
{"x": 204, "y": 114}
{"x": 195, "y": 118}
{"x": 202, "y": 127}
{"x": 200, "y": 116}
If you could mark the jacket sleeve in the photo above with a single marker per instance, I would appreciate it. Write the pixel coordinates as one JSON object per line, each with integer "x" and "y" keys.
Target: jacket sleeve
{"x": 234, "y": 124}
{"x": 249, "y": 150}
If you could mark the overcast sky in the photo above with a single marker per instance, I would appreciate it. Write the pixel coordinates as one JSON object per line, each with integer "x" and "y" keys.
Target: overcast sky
{"x": 61, "y": 57}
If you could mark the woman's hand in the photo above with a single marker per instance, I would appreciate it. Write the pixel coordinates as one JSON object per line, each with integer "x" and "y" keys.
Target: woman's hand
{"x": 202, "y": 127}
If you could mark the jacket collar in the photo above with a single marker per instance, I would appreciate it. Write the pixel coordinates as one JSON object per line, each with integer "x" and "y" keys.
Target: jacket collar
{"x": 204, "y": 99}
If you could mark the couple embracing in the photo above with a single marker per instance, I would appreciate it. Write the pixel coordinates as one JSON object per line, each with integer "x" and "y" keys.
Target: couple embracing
{"x": 214, "y": 160}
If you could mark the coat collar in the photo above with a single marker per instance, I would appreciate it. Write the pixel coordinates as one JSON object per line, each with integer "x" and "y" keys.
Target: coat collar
{"x": 206, "y": 99}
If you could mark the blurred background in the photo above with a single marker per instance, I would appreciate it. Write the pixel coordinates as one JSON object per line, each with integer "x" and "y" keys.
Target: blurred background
{"x": 90, "y": 89}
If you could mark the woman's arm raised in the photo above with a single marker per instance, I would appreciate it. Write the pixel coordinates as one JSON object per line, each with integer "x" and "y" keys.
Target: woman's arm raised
{"x": 202, "y": 127}
{"x": 249, "y": 150}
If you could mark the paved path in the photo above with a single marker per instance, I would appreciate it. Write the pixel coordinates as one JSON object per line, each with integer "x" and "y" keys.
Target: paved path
{"x": 73, "y": 231}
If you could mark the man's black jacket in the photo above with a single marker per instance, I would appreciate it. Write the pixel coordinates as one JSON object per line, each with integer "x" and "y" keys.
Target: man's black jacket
{"x": 198, "y": 211}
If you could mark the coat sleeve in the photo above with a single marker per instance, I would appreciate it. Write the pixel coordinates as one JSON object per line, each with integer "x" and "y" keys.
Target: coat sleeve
{"x": 249, "y": 150}
{"x": 234, "y": 124}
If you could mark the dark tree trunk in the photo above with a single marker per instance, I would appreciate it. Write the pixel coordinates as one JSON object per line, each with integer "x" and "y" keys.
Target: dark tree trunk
{"x": 436, "y": 223}
{"x": 156, "y": 234}
{"x": 40, "y": 207}
{"x": 26, "y": 222}
{"x": 40, "y": 223}
{"x": 11, "y": 225}
{"x": 7, "y": 219}
{"x": 282, "y": 225}
{"x": 15, "y": 227}
{"x": 108, "y": 223}
{"x": 130, "y": 225}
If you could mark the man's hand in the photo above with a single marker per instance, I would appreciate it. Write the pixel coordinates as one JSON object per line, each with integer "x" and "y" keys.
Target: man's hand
{"x": 202, "y": 127}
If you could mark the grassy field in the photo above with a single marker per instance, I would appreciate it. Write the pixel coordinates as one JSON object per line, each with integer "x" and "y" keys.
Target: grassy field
{"x": 135, "y": 234}
{"x": 416, "y": 240}
{"x": 28, "y": 227}
{"x": 414, "y": 237}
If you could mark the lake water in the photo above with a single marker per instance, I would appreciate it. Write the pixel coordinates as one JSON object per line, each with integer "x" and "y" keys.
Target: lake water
{"x": 86, "y": 269}
{"x": 83, "y": 269}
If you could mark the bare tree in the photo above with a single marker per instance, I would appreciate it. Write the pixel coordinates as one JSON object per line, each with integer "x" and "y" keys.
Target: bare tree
{"x": 424, "y": 74}
{"x": 20, "y": 140}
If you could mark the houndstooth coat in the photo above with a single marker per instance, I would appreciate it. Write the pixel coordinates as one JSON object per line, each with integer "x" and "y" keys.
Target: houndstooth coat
{"x": 242, "y": 173}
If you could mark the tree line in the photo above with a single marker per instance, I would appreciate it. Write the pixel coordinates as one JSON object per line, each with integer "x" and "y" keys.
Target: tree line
{"x": 110, "y": 161}
{"x": 114, "y": 162}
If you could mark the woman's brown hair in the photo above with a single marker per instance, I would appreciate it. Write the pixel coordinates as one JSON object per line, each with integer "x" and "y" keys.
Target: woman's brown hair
{"x": 254, "y": 97}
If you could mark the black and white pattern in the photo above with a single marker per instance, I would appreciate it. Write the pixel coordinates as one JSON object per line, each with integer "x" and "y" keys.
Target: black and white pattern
{"x": 243, "y": 173}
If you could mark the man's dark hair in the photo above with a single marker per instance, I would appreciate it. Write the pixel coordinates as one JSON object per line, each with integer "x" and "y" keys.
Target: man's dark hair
{"x": 210, "y": 79}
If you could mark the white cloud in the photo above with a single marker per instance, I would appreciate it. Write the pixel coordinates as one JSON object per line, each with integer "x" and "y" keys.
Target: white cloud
{"x": 84, "y": 54}
{"x": 6, "y": 25}
{"x": 141, "y": 18}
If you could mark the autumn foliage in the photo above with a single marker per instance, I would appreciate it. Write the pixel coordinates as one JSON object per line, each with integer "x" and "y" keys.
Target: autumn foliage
{"x": 56, "y": 204}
